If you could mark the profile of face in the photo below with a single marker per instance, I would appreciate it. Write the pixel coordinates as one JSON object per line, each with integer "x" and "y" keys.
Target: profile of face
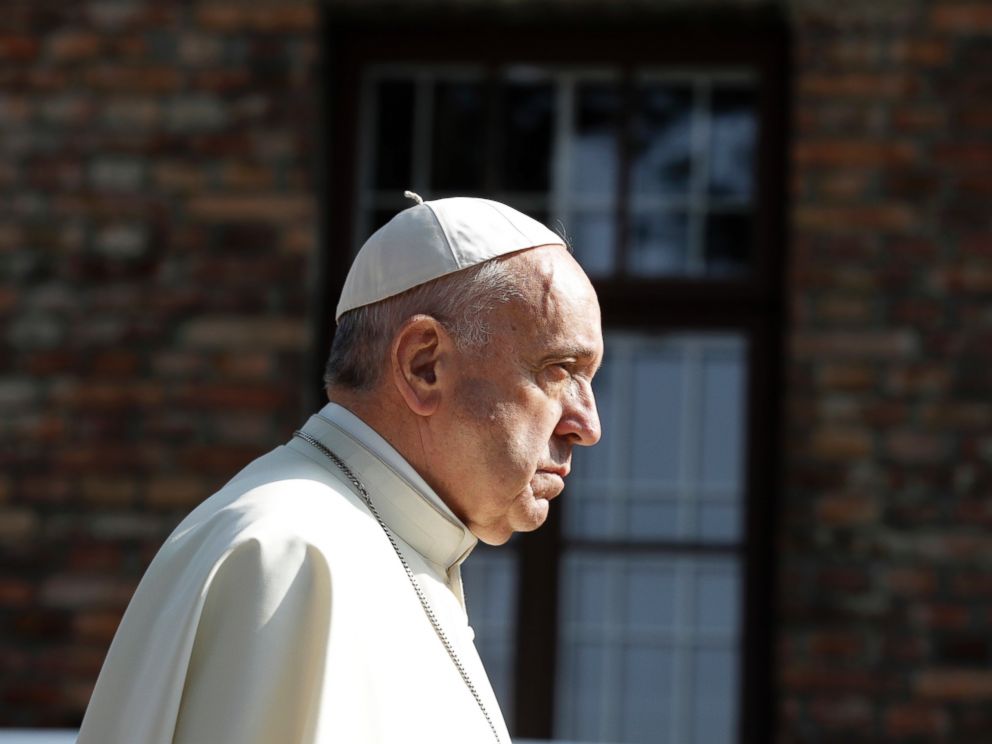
{"x": 518, "y": 407}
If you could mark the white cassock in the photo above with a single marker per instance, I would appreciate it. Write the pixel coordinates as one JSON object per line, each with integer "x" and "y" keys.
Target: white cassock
{"x": 279, "y": 613}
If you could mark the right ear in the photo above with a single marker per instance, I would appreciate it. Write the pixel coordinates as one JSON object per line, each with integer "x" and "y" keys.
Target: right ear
{"x": 419, "y": 358}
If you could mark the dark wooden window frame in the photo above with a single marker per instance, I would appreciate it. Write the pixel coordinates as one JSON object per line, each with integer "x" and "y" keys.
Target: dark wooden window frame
{"x": 752, "y": 306}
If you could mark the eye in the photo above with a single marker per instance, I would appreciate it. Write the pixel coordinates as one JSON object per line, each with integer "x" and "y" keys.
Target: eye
{"x": 558, "y": 372}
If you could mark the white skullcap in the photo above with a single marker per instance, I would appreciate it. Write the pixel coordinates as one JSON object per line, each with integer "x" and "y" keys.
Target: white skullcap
{"x": 433, "y": 239}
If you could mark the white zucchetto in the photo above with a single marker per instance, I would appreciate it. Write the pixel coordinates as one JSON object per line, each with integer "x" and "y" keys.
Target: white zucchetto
{"x": 433, "y": 239}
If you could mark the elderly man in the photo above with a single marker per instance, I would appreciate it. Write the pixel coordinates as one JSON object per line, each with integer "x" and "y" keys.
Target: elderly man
{"x": 317, "y": 596}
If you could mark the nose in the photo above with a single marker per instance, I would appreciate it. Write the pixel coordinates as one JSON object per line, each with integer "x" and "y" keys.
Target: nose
{"x": 579, "y": 420}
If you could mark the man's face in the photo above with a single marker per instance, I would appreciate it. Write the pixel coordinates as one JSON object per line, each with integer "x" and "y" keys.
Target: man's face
{"x": 521, "y": 403}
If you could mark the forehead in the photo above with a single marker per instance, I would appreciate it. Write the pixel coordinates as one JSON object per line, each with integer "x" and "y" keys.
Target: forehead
{"x": 560, "y": 310}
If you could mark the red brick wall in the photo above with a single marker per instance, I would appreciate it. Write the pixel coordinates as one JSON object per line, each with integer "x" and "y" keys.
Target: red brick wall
{"x": 157, "y": 214}
{"x": 886, "y": 540}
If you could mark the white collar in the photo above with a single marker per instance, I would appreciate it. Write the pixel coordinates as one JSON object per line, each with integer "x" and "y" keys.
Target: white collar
{"x": 410, "y": 507}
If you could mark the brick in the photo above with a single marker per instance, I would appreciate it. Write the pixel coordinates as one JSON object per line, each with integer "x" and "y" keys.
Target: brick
{"x": 842, "y": 712}
{"x": 911, "y": 581}
{"x": 178, "y": 176}
{"x": 841, "y": 443}
{"x": 131, "y": 113}
{"x": 964, "y": 155}
{"x": 138, "y": 79}
{"x": 195, "y": 113}
{"x": 96, "y": 626}
{"x": 944, "y": 616}
{"x": 964, "y": 685}
{"x": 245, "y": 397}
{"x": 15, "y": 592}
{"x": 847, "y": 510}
{"x": 117, "y": 173}
{"x": 246, "y": 177}
{"x": 17, "y": 48}
{"x": 915, "y": 720}
{"x": 894, "y": 85}
{"x": 912, "y": 447}
{"x": 73, "y": 46}
{"x": 115, "y": 492}
{"x": 245, "y": 333}
{"x": 269, "y": 17}
{"x": 845, "y": 310}
{"x": 962, "y": 18}
{"x": 274, "y": 207}
{"x": 972, "y": 276}
{"x": 849, "y": 377}
{"x": 175, "y": 493}
{"x": 917, "y": 118}
{"x": 71, "y": 591}
{"x": 836, "y": 645}
{"x": 920, "y": 52}
{"x": 848, "y": 345}
{"x": 18, "y": 524}
{"x": 853, "y": 153}
{"x": 846, "y": 185}
{"x": 856, "y": 217}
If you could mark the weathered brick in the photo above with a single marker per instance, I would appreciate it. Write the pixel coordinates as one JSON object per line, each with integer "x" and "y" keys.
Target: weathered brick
{"x": 915, "y": 720}
{"x": 175, "y": 493}
{"x": 72, "y": 591}
{"x": 911, "y": 581}
{"x": 847, "y": 510}
{"x": 841, "y": 444}
{"x": 962, "y": 17}
{"x": 73, "y": 46}
{"x": 880, "y": 345}
{"x": 294, "y": 16}
{"x": 849, "y": 376}
{"x": 857, "y": 217}
{"x": 913, "y": 446}
{"x": 890, "y": 85}
{"x": 853, "y": 153}
{"x": 954, "y": 684}
{"x": 243, "y": 333}
{"x": 274, "y": 207}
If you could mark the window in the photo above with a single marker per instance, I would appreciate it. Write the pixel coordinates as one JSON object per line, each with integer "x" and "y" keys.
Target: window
{"x": 639, "y": 613}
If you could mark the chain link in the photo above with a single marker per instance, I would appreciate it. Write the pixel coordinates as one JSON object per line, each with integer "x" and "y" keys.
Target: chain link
{"x": 428, "y": 610}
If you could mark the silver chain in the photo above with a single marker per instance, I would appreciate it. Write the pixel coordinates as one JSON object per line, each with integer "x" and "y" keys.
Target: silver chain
{"x": 428, "y": 610}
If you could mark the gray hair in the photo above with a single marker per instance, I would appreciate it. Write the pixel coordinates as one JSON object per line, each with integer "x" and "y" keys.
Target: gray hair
{"x": 460, "y": 302}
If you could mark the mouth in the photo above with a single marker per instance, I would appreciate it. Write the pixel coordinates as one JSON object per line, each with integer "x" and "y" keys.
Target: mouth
{"x": 560, "y": 470}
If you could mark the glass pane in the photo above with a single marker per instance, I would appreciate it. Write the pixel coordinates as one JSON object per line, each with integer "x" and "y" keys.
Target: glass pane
{"x": 527, "y": 124}
{"x": 650, "y": 595}
{"x": 659, "y": 243}
{"x": 393, "y": 154}
{"x": 728, "y": 243}
{"x": 722, "y": 418}
{"x": 459, "y": 146}
{"x": 489, "y": 577}
{"x": 656, "y": 442}
{"x": 656, "y": 649}
{"x": 733, "y": 139}
{"x": 594, "y": 160}
{"x": 662, "y": 146}
{"x": 720, "y": 522}
{"x": 652, "y": 519}
{"x": 717, "y": 596}
{"x": 593, "y": 239}
{"x": 646, "y": 696}
{"x": 714, "y": 696}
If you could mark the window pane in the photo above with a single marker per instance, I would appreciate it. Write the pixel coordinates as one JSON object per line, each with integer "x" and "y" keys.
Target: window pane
{"x": 722, "y": 418}
{"x": 527, "y": 124}
{"x": 714, "y": 700}
{"x": 393, "y": 135}
{"x": 657, "y": 651}
{"x": 657, "y": 387}
{"x": 459, "y": 146}
{"x": 659, "y": 243}
{"x": 662, "y": 157}
{"x": 728, "y": 243}
{"x": 733, "y": 138}
{"x": 594, "y": 161}
{"x": 593, "y": 239}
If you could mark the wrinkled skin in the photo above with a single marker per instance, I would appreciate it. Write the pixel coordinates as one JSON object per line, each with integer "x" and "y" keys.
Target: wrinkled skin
{"x": 504, "y": 440}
